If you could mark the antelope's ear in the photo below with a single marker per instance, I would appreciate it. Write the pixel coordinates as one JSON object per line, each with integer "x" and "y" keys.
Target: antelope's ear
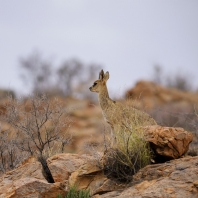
{"x": 101, "y": 75}
{"x": 106, "y": 76}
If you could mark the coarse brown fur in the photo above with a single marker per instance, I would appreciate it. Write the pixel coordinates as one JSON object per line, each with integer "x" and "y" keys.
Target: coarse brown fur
{"x": 116, "y": 113}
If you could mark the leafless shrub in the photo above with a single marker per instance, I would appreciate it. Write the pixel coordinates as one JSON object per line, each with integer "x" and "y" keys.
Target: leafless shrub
{"x": 69, "y": 74}
{"x": 174, "y": 115}
{"x": 157, "y": 76}
{"x": 37, "y": 73}
{"x": 179, "y": 80}
{"x": 8, "y": 153}
{"x": 40, "y": 127}
{"x": 71, "y": 78}
{"x": 193, "y": 150}
{"x": 88, "y": 75}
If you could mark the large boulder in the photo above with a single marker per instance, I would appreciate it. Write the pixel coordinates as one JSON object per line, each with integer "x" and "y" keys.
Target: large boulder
{"x": 168, "y": 142}
{"x": 178, "y": 178}
{"x": 28, "y": 181}
{"x": 62, "y": 165}
{"x": 90, "y": 176}
{"x": 32, "y": 188}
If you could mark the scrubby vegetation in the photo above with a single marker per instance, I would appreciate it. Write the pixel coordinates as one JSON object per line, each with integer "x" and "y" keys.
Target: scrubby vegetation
{"x": 39, "y": 128}
{"x": 38, "y": 125}
{"x": 71, "y": 78}
{"x": 179, "y": 80}
{"x": 193, "y": 151}
{"x": 129, "y": 153}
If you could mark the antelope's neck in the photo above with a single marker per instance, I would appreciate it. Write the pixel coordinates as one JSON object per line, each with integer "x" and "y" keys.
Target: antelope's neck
{"x": 103, "y": 98}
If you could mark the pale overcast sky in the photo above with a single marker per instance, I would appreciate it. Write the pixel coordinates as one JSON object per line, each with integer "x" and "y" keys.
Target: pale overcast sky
{"x": 126, "y": 36}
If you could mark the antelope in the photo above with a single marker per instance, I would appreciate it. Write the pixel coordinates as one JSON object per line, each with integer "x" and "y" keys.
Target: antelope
{"x": 115, "y": 113}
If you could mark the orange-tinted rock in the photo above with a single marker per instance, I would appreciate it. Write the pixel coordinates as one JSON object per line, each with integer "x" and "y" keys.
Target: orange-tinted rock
{"x": 178, "y": 178}
{"x": 169, "y": 142}
{"x": 90, "y": 176}
{"x": 153, "y": 95}
{"x": 28, "y": 181}
{"x": 62, "y": 165}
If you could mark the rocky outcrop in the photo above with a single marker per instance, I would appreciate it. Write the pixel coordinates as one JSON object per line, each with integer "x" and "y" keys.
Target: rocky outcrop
{"x": 168, "y": 142}
{"x": 28, "y": 181}
{"x": 90, "y": 176}
{"x": 153, "y": 95}
{"x": 177, "y": 178}
{"x": 62, "y": 165}
{"x": 168, "y": 106}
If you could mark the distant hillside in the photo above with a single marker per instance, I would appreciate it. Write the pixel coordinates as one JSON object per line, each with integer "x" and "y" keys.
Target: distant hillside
{"x": 152, "y": 95}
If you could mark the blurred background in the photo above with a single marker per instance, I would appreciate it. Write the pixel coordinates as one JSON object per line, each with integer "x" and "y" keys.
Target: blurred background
{"x": 48, "y": 44}
{"x": 58, "y": 47}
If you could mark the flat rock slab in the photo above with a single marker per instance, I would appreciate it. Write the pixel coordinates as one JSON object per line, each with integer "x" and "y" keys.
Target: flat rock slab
{"x": 176, "y": 179}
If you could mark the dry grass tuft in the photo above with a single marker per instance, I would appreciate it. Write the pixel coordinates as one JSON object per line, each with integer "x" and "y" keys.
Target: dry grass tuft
{"x": 129, "y": 152}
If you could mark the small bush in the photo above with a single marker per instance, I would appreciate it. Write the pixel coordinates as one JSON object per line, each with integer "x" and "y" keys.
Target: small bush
{"x": 129, "y": 154}
{"x": 75, "y": 193}
{"x": 39, "y": 125}
{"x": 179, "y": 80}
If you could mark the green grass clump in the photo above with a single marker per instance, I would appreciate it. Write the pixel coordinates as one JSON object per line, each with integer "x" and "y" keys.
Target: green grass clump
{"x": 75, "y": 193}
{"x": 129, "y": 153}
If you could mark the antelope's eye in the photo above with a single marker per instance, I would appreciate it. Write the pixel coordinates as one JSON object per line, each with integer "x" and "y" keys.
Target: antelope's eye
{"x": 95, "y": 84}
